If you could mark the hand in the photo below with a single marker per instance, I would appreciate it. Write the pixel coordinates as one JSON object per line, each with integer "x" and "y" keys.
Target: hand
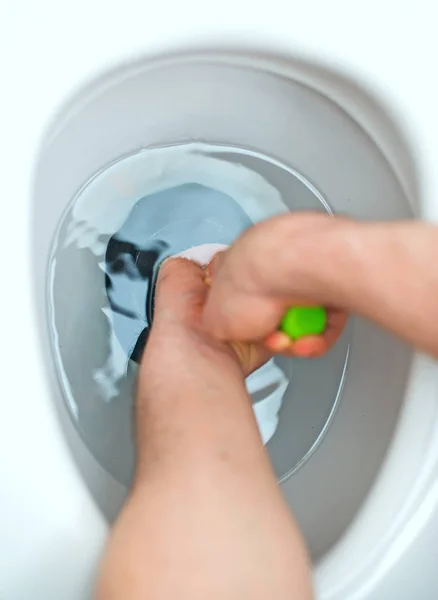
{"x": 262, "y": 275}
{"x": 177, "y": 330}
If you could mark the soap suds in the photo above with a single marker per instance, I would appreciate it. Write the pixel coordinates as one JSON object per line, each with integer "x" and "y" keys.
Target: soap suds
{"x": 154, "y": 170}
{"x": 201, "y": 254}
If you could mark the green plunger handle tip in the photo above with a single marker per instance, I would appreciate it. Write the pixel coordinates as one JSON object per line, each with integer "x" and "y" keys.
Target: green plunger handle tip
{"x": 301, "y": 321}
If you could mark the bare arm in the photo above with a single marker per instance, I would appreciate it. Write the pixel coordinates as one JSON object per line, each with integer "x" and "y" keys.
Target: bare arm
{"x": 205, "y": 518}
{"x": 387, "y": 272}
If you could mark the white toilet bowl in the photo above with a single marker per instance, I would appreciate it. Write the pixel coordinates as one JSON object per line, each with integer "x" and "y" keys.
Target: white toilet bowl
{"x": 265, "y": 112}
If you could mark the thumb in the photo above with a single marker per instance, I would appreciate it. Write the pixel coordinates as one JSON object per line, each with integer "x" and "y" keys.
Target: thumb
{"x": 180, "y": 291}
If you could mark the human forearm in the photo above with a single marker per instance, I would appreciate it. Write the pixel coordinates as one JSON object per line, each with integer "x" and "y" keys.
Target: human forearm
{"x": 199, "y": 413}
{"x": 206, "y": 518}
{"x": 389, "y": 273}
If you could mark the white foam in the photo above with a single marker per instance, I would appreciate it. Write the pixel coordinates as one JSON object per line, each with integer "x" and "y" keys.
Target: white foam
{"x": 201, "y": 254}
{"x": 105, "y": 202}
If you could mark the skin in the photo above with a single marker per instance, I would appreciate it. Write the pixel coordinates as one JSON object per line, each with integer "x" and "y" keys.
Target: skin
{"x": 386, "y": 272}
{"x": 205, "y": 517}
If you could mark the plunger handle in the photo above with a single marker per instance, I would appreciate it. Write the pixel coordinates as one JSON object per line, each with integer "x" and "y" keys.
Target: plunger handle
{"x": 301, "y": 321}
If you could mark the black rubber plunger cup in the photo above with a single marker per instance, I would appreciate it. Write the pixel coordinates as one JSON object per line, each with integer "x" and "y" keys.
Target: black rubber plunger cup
{"x": 161, "y": 225}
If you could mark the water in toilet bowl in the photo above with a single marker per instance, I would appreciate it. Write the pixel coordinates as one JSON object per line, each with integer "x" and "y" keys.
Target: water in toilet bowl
{"x": 118, "y": 229}
{"x": 165, "y": 224}
{"x": 160, "y": 225}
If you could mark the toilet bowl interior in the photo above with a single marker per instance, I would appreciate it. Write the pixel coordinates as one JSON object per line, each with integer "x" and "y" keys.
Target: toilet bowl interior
{"x": 333, "y": 165}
